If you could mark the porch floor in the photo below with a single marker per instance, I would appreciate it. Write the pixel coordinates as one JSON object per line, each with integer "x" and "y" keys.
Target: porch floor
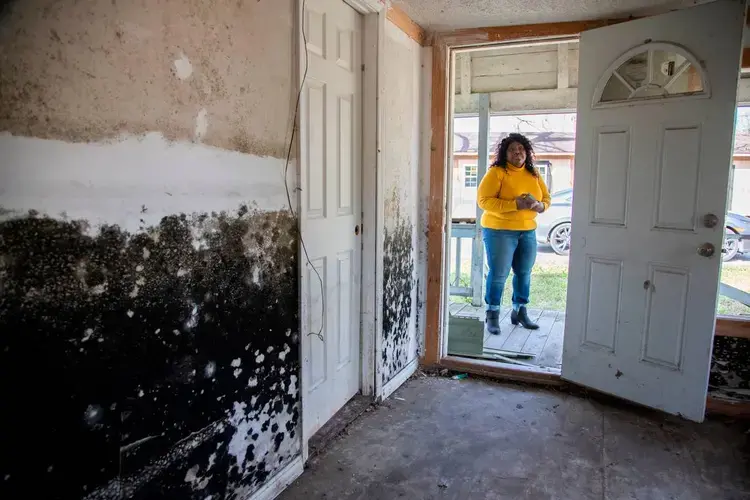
{"x": 545, "y": 344}
{"x": 437, "y": 438}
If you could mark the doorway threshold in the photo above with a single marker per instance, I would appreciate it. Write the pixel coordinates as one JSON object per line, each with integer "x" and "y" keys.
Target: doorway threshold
{"x": 505, "y": 371}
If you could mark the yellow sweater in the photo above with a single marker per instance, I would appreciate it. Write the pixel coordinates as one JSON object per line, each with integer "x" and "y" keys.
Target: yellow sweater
{"x": 497, "y": 195}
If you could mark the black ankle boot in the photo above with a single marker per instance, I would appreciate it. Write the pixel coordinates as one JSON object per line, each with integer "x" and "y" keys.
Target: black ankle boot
{"x": 522, "y": 317}
{"x": 492, "y": 322}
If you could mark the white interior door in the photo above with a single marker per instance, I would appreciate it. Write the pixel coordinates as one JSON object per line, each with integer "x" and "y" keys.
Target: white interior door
{"x": 656, "y": 107}
{"x": 331, "y": 209}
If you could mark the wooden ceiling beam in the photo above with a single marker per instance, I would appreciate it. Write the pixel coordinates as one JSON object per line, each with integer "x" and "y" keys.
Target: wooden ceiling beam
{"x": 403, "y": 22}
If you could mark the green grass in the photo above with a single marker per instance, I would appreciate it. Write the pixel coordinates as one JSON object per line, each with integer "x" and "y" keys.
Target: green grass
{"x": 549, "y": 284}
{"x": 739, "y": 277}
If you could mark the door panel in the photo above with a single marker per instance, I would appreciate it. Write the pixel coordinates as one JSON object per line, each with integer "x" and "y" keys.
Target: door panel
{"x": 655, "y": 126}
{"x": 331, "y": 208}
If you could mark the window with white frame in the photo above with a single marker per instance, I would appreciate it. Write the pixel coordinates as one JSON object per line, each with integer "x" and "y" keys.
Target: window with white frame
{"x": 545, "y": 171}
{"x": 470, "y": 176}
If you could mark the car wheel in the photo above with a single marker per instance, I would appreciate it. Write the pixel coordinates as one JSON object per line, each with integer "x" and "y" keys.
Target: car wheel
{"x": 731, "y": 246}
{"x": 559, "y": 239}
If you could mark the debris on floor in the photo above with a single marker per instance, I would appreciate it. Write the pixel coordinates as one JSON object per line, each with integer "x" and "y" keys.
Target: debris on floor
{"x": 460, "y": 376}
{"x": 471, "y": 440}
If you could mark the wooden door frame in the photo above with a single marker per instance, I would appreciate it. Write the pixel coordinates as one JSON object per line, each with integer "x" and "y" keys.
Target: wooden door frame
{"x": 373, "y": 28}
{"x": 443, "y": 45}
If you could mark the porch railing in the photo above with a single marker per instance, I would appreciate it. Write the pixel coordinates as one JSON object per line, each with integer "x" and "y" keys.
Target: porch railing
{"x": 462, "y": 230}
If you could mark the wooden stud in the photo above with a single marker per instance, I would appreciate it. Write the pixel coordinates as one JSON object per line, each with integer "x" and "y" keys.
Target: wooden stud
{"x": 482, "y": 36}
{"x": 436, "y": 203}
{"x": 732, "y": 327}
{"x": 405, "y": 24}
{"x": 735, "y": 409}
{"x": 746, "y": 58}
{"x": 494, "y": 369}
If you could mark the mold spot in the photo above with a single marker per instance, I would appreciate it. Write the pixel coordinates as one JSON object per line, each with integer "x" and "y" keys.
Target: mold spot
{"x": 398, "y": 286}
{"x": 144, "y": 385}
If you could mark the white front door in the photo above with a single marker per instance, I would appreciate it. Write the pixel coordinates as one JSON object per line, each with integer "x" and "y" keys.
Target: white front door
{"x": 331, "y": 209}
{"x": 656, "y": 107}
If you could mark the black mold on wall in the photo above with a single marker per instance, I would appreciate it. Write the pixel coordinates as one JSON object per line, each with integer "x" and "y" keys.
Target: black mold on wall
{"x": 398, "y": 285}
{"x": 162, "y": 364}
{"x": 730, "y": 367}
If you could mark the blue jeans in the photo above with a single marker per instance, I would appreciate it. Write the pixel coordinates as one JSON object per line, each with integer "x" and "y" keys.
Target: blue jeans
{"x": 508, "y": 250}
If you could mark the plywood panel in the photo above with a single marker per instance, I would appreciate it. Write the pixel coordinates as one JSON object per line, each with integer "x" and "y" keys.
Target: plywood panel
{"x": 531, "y": 81}
{"x": 677, "y": 184}
{"x": 665, "y": 316}
{"x": 532, "y": 49}
{"x": 610, "y": 187}
{"x": 603, "y": 288}
{"x": 515, "y": 64}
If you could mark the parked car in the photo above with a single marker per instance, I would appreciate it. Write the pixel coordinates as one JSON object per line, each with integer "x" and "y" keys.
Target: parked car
{"x": 554, "y": 228}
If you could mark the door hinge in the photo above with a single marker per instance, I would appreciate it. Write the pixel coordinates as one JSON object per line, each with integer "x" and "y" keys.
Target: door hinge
{"x": 363, "y": 67}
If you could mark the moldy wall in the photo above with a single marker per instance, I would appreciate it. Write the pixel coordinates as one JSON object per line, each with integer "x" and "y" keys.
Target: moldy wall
{"x": 148, "y": 257}
{"x": 401, "y": 171}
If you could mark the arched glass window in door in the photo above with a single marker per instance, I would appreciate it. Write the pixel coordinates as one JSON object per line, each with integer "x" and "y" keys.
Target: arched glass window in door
{"x": 653, "y": 71}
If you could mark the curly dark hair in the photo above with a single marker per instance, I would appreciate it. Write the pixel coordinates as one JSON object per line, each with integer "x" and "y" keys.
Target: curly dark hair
{"x": 501, "y": 158}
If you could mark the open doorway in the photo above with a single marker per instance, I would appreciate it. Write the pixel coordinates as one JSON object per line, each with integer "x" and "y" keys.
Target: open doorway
{"x": 527, "y": 89}
{"x": 545, "y": 124}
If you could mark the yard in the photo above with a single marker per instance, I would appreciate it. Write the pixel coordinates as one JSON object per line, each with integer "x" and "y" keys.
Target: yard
{"x": 549, "y": 282}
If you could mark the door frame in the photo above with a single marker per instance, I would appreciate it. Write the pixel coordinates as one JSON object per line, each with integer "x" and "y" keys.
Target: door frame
{"x": 438, "y": 226}
{"x": 373, "y": 28}
{"x": 443, "y": 44}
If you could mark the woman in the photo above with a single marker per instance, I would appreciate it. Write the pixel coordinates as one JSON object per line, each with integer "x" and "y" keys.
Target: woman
{"x": 512, "y": 194}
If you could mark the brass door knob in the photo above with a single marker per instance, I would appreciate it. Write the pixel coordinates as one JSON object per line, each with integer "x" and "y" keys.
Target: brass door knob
{"x": 710, "y": 220}
{"x": 706, "y": 250}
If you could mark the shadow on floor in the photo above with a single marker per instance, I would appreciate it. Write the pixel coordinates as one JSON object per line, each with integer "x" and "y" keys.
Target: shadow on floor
{"x": 443, "y": 439}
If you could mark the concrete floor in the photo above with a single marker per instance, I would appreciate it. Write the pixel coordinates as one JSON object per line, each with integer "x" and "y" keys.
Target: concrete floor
{"x": 442, "y": 439}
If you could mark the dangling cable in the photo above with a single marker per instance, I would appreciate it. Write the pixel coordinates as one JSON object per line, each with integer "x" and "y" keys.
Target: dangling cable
{"x": 319, "y": 333}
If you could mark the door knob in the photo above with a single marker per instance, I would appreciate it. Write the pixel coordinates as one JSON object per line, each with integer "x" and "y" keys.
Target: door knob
{"x": 706, "y": 250}
{"x": 710, "y": 220}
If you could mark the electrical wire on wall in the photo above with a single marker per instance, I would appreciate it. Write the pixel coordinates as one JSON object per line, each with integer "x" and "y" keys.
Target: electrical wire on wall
{"x": 319, "y": 333}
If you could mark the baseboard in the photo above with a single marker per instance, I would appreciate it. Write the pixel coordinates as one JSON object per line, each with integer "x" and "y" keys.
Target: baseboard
{"x": 397, "y": 381}
{"x": 280, "y": 481}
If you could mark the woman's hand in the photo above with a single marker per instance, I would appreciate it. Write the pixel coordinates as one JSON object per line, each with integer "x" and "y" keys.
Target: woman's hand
{"x": 538, "y": 207}
{"x": 525, "y": 203}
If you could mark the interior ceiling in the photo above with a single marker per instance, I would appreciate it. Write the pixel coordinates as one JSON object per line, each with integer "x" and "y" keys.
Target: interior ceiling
{"x": 442, "y": 15}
